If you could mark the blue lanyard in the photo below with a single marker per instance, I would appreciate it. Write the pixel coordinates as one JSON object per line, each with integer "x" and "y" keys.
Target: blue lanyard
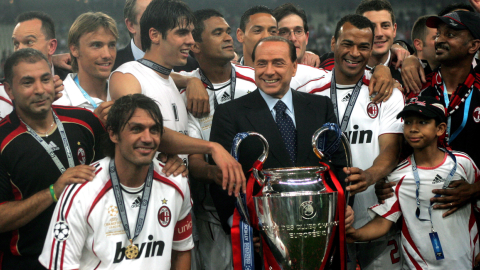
{"x": 85, "y": 94}
{"x": 417, "y": 183}
{"x": 449, "y": 120}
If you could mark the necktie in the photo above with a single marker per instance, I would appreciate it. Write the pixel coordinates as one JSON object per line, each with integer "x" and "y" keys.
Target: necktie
{"x": 287, "y": 129}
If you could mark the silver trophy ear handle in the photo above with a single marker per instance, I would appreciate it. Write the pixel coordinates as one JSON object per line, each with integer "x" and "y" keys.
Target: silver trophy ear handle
{"x": 236, "y": 143}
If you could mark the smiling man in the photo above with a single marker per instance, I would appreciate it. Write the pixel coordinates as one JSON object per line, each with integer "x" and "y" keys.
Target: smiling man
{"x": 268, "y": 110}
{"x": 131, "y": 215}
{"x": 372, "y": 128}
{"x": 92, "y": 39}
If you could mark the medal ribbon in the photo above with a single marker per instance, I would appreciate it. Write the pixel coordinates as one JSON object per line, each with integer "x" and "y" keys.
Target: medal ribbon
{"x": 233, "y": 81}
{"x": 49, "y": 150}
{"x": 85, "y": 94}
{"x": 351, "y": 102}
{"x": 158, "y": 68}
{"x": 121, "y": 205}
{"x": 417, "y": 183}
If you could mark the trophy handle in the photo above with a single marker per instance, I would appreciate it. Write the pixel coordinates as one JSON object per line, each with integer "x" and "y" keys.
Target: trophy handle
{"x": 346, "y": 144}
{"x": 236, "y": 143}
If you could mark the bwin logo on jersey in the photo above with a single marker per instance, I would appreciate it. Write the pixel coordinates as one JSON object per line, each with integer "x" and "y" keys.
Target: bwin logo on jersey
{"x": 360, "y": 136}
{"x": 136, "y": 203}
{"x": 438, "y": 179}
{"x": 145, "y": 250}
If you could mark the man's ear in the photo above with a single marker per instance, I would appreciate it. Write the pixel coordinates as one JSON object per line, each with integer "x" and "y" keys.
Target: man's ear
{"x": 240, "y": 35}
{"x": 113, "y": 136}
{"x": 418, "y": 44}
{"x": 332, "y": 44}
{"x": 294, "y": 68}
{"x": 8, "y": 90}
{"x": 154, "y": 35}
{"x": 130, "y": 28}
{"x": 52, "y": 46}
{"x": 196, "y": 48}
{"x": 394, "y": 30}
{"x": 475, "y": 46}
{"x": 74, "y": 51}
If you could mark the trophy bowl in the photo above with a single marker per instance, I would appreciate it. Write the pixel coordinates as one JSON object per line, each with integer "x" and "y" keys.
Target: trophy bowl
{"x": 297, "y": 226}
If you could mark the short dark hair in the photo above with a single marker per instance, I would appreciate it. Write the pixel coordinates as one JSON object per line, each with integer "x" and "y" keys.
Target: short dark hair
{"x": 356, "y": 20}
{"x": 375, "y": 5}
{"x": 163, "y": 15}
{"x": 48, "y": 26}
{"x": 252, "y": 11}
{"x": 419, "y": 29}
{"x": 130, "y": 13}
{"x": 28, "y": 55}
{"x": 455, "y": 6}
{"x": 200, "y": 17}
{"x": 121, "y": 112}
{"x": 288, "y": 9}
{"x": 291, "y": 47}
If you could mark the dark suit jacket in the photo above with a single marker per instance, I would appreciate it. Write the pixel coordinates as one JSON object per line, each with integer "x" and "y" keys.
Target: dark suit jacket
{"x": 251, "y": 113}
{"x": 125, "y": 55}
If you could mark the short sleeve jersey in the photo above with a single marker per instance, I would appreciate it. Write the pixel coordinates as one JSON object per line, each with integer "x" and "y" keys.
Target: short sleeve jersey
{"x": 367, "y": 123}
{"x": 200, "y": 128}
{"x": 6, "y": 105}
{"x": 92, "y": 235}
{"x": 163, "y": 91}
{"x": 457, "y": 232}
{"x": 26, "y": 168}
{"x": 72, "y": 95}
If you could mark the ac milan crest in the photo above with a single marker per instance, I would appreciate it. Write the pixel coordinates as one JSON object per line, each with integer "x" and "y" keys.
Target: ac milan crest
{"x": 164, "y": 216}
{"x": 82, "y": 157}
{"x": 372, "y": 110}
{"x": 476, "y": 115}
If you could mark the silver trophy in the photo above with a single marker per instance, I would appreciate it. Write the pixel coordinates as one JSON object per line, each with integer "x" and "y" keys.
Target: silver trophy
{"x": 296, "y": 213}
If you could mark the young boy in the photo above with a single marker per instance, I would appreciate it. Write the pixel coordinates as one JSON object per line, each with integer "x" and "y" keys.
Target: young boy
{"x": 429, "y": 241}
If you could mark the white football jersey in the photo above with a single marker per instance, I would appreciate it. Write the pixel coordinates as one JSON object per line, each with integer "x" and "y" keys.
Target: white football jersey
{"x": 6, "y": 105}
{"x": 86, "y": 231}
{"x": 367, "y": 123}
{"x": 457, "y": 232}
{"x": 72, "y": 96}
{"x": 200, "y": 128}
{"x": 163, "y": 91}
{"x": 306, "y": 74}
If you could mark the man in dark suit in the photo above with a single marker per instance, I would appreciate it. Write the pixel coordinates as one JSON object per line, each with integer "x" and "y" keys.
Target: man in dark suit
{"x": 288, "y": 130}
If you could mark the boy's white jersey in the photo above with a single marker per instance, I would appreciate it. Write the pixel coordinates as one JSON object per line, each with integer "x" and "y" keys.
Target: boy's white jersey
{"x": 457, "y": 232}
{"x": 163, "y": 91}
{"x": 86, "y": 231}
{"x": 72, "y": 95}
{"x": 368, "y": 122}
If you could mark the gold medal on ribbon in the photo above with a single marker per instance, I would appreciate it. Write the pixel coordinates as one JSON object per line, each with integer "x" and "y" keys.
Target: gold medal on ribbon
{"x": 131, "y": 251}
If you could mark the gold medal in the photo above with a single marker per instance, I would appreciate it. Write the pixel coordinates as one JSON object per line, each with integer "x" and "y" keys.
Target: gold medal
{"x": 131, "y": 251}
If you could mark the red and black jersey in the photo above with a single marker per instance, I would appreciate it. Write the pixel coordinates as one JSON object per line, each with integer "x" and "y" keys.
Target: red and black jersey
{"x": 466, "y": 139}
{"x": 26, "y": 168}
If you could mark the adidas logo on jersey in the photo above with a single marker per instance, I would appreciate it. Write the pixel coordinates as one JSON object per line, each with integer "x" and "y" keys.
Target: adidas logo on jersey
{"x": 137, "y": 202}
{"x": 360, "y": 136}
{"x": 53, "y": 146}
{"x": 225, "y": 97}
{"x": 347, "y": 97}
{"x": 145, "y": 249}
{"x": 438, "y": 179}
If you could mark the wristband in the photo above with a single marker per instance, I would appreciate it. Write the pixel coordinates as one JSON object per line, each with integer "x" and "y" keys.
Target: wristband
{"x": 52, "y": 192}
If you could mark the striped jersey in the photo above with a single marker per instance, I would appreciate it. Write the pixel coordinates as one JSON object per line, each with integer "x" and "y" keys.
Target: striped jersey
{"x": 86, "y": 231}
{"x": 457, "y": 233}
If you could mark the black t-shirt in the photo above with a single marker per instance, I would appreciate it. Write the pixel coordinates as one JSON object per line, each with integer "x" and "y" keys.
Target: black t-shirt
{"x": 26, "y": 168}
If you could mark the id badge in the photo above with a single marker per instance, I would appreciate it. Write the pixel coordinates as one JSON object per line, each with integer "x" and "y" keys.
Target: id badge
{"x": 437, "y": 247}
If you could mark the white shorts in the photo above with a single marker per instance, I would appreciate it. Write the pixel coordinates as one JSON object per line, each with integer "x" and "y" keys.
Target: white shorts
{"x": 376, "y": 255}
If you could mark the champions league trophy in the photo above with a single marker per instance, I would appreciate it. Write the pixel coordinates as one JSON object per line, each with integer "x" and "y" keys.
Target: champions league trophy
{"x": 296, "y": 213}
